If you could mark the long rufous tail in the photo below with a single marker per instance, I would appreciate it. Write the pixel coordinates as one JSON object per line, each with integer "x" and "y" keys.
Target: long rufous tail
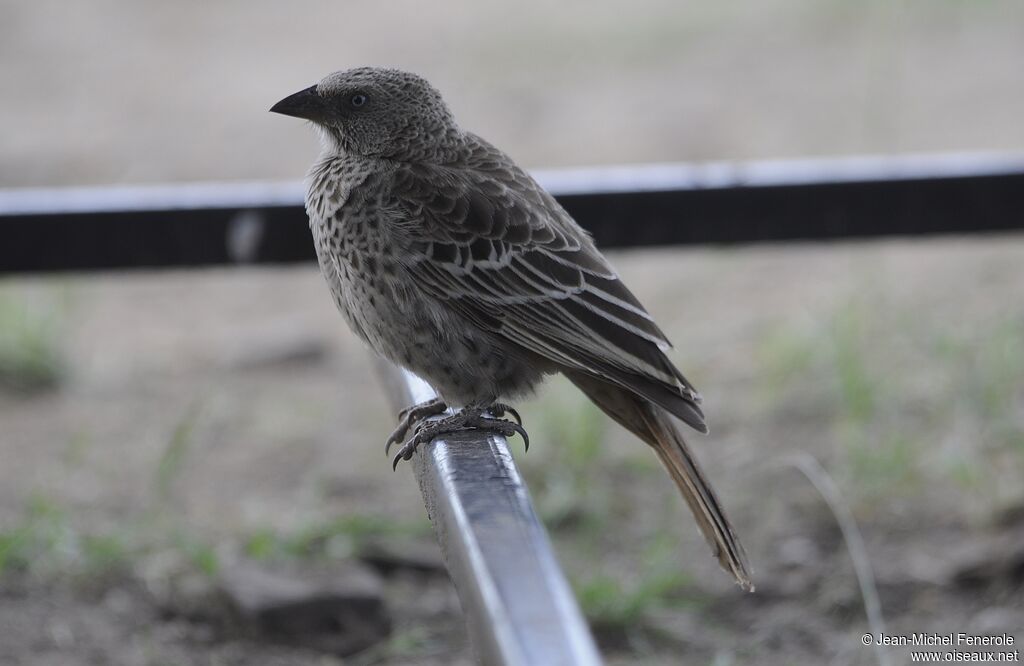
{"x": 654, "y": 425}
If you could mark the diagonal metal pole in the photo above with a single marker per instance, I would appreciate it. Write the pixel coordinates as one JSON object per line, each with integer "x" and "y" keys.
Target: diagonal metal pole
{"x": 519, "y": 608}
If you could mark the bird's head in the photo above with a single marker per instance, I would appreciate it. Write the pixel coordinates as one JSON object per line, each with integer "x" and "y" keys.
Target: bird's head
{"x": 376, "y": 112}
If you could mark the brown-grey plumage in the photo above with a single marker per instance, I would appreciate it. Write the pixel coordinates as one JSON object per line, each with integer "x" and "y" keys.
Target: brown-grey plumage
{"x": 450, "y": 260}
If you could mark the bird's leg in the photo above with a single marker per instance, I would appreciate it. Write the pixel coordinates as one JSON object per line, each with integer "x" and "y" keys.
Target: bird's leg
{"x": 480, "y": 417}
{"x": 409, "y": 416}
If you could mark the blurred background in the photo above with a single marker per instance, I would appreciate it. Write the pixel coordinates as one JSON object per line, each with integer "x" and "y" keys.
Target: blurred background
{"x": 169, "y": 440}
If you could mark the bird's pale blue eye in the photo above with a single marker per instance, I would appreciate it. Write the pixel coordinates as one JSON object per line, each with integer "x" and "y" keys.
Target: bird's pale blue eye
{"x": 358, "y": 100}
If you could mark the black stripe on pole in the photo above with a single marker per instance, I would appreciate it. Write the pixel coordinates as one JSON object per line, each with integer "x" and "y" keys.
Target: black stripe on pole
{"x": 56, "y": 233}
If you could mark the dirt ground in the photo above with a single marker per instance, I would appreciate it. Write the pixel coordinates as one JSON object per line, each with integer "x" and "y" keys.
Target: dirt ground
{"x": 160, "y": 430}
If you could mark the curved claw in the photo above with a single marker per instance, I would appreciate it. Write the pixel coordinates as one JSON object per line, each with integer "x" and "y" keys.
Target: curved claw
{"x": 405, "y": 453}
{"x": 508, "y": 428}
{"x": 394, "y": 438}
{"x": 514, "y": 414}
{"x": 500, "y": 409}
{"x": 518, "y": 428}
{"x": 410, "y": 416}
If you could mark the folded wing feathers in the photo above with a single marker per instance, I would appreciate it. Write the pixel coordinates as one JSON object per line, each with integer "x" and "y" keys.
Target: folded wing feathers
{"x": 540, "y": 282}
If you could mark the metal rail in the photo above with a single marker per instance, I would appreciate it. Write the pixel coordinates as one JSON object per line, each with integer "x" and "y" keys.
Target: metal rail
{"x": 519, "y": 608}
{"x": 644, "y": 205}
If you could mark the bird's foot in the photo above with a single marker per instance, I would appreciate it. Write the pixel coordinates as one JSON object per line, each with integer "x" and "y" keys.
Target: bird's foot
{"x": 409, "y": 416}
{"x": 486, "y": 418}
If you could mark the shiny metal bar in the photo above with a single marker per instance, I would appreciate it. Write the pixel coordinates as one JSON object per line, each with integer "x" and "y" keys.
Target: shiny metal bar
{"x": 519, "y": 608}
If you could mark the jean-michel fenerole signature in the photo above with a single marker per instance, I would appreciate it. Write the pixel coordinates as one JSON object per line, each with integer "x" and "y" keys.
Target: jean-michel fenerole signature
{"x": 952, "y": 639}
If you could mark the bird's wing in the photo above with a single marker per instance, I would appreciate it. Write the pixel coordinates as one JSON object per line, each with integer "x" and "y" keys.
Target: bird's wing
{"x": 485, "y": 239}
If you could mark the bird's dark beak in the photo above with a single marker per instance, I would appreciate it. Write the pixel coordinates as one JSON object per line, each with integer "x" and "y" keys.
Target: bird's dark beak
{"x": 303, "y": 104}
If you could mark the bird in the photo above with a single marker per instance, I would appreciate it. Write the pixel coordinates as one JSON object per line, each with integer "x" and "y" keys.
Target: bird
{"x": 451, "y": 261}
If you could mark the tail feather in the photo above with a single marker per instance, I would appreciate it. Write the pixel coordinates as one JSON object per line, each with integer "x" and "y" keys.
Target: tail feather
{"x": 653, "y": 425}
